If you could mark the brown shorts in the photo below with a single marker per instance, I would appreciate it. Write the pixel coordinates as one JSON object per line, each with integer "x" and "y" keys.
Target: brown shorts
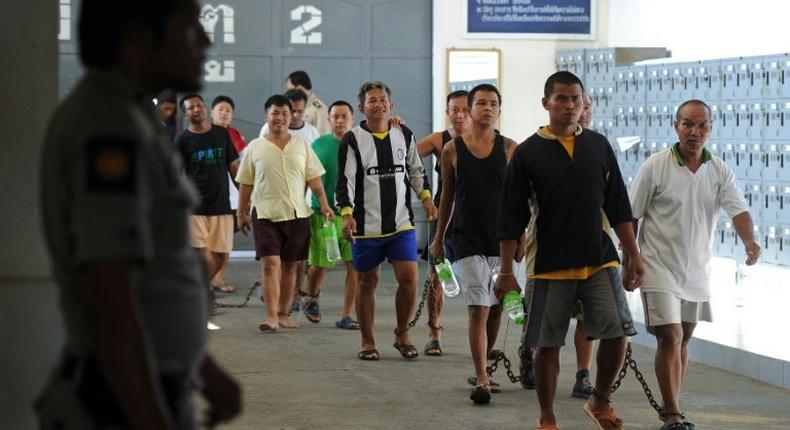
{"x": 288, "y": 239}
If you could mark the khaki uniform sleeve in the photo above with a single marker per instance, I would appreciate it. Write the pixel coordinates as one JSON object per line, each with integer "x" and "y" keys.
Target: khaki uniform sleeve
{"x": 111, "y": 199}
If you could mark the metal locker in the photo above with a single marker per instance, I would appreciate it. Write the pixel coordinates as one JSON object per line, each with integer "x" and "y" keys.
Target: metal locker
{"x": 709, "y": 75}
{"x": 771, "y": 243}
{"x": 776, "y": 69}
{"x": 754, "y": 121}
{"x": 773, "y": 120}
{"x": 728, "y": 120}
{"x": 756, "y": 82}
{"x": 729, "y": 79}
{"x": 653, "y": 83}
{"x": 783, "y": 253}
{"x": 715, "y": 118}
{"x": 753, "y": 158}
{"x": 740, "y": 127}
{"x": 782, "y": 171}
{"x": 772, "y": 200}
{"x": 773, "y": 160}
{"x": 783, "y": 209}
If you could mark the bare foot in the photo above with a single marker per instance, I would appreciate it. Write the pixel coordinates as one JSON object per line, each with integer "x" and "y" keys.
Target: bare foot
{"x": 287, "y": 322}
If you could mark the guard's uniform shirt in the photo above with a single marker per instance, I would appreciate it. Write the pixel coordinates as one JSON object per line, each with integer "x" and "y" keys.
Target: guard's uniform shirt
{"x": 112, "y": 188}
{"x": 317, "y": 114}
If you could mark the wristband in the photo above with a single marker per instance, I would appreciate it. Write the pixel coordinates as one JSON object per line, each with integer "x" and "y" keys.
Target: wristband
{"x": 505, "y": 274}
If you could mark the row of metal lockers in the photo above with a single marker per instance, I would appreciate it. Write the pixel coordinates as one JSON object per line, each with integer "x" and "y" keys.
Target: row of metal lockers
{"x": 750, "y": 100}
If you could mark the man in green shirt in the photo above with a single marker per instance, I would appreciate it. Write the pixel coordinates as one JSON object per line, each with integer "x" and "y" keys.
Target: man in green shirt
{"x": 341, "y": 118}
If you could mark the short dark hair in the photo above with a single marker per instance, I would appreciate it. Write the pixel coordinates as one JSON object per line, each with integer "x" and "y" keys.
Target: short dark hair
{"x": 693, "y": 102}
{"x": 223, "y": 98}
{"x": 294, "y": 95}
{"x": 277, "y": 100}
{"x": 101, "y": 24}
{"x": 340, "y": 103}
{"x": 483, "y": 87}
{"x": 187, "y": 97}
{"x": 300, "y": 77}
{"x": 166, "y": 96}
{"x": 456, "y": 94}
{"x": 372, "y": 85}
{"x": 561, "y": 77}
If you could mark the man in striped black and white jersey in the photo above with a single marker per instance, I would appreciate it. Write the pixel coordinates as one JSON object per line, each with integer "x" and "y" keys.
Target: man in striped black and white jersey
{"x": 378, "y": 169}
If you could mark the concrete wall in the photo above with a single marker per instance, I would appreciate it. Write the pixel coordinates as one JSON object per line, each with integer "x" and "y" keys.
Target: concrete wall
{"x": 29, "y": 319}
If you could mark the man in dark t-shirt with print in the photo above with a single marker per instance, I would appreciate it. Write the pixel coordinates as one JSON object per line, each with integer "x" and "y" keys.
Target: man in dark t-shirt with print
{"x": 208, "y": 156}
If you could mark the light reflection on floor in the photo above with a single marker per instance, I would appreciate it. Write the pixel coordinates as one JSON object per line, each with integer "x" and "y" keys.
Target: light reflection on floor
{"x": 748, "y": 314}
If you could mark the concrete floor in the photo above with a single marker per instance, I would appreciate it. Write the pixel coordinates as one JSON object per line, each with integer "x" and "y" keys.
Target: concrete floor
{"x": 310, "y": 378}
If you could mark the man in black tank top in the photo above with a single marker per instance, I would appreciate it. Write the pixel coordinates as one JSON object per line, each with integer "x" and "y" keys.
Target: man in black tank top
{"x": 458, "y": 112}
{"x": 474, "y": 166}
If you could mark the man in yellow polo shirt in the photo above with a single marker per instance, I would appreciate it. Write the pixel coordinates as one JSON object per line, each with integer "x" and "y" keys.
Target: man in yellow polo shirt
{"x": 567, "y": 177}
{"x": 272, "y": 176}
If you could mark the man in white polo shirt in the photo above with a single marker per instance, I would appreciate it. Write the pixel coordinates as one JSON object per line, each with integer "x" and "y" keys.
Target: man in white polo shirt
{"x": 677, "y": 194}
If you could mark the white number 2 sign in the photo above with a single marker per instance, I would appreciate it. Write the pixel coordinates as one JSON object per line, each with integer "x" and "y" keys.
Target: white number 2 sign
{"x": 303, "y": 34}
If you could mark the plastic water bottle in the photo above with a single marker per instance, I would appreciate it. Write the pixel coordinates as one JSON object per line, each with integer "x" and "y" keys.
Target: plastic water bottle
{"x": 330, "y": 241}
{"x": 444, "y": 271}
{"x": 513, "y": 307}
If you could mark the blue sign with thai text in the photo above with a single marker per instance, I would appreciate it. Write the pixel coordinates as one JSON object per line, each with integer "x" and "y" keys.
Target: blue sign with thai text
{"x": 568, "y": 17}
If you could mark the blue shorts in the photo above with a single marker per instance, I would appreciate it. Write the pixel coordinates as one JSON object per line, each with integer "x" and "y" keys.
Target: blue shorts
{"x": 369, "y": 253}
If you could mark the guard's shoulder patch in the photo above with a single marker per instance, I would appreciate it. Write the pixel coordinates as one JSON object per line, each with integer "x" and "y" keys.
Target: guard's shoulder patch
{"x": 111, "y": 164}
{"x": 317, "y": 104}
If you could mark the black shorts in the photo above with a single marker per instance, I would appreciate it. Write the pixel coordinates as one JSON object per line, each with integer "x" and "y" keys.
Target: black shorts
{"x": 288, "y": 239}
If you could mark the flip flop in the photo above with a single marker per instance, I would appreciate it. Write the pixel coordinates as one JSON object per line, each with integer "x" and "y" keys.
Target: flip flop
{"x": 223, "y": 288}
{"x": 347, "y": 323}
{"x": 493, "y": 386}
{"x": 368, "y": 355}
{"x": 433, "y": 348}
{"x": 264, "y": 327}
{"x": 407, "y": 351}
{"x": 312, "y": 311}
{"x": 480, "y": 395}
{"x": 605, "y": 420}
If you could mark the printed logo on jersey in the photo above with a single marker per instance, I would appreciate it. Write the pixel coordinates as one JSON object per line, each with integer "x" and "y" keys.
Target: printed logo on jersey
{"x": 209, "y": 156}
{"x": 385, "y": 171}
{"x": 401, "y": 154}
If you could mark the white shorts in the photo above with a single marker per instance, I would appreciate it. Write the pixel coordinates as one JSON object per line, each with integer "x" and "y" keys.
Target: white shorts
{"x": 665, "y": 308}
{"x": 474, "y": 276}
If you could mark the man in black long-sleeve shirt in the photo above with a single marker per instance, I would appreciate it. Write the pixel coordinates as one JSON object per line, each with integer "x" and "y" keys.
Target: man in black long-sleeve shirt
{"x": 567, "y": 177}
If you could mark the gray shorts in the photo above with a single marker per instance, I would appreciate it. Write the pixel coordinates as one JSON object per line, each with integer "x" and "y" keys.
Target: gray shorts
{"x": 474, "y": 276}
{"x": 551, "y": 304}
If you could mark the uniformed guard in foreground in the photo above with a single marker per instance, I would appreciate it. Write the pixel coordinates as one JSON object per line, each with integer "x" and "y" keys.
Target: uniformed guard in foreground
{"x": 132, "y": 289}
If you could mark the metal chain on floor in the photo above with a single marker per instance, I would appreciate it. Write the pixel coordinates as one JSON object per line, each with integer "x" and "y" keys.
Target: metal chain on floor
{"x": 630, "y": 362}
{"x": 238, "y": 305}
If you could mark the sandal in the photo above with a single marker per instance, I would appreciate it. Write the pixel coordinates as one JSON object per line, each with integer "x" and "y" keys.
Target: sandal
{"x": 368, "y": 355}
{"x": 493, "y": 386}
{"x": 407, "y": 351}
{"x": 433, "y": 348}
{"x": 264, "y": 327}
{"x": 663, "y": 415}
{"x": 480, "y": 395}
{"x": 223, "y": 288}
{"x": 311, "y": 310}
{"x": 347, "y": 323}
{"x": 607, "y": 420}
